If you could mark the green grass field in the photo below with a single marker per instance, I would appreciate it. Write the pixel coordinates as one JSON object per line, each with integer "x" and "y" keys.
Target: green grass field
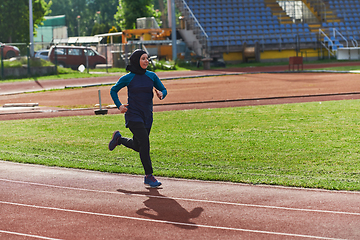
{"x": 305, "y": 145}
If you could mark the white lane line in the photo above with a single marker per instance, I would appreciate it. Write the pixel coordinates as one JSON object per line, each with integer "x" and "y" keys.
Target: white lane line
{"x": 28, "y": 235}
{"x": 187, "y": 199}
{"x": 165, "y": 222}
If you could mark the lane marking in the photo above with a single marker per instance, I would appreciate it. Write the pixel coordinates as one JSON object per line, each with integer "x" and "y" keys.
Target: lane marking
{"x": 187, "y": 199}
{"x": 28, "y": 235}
{"x": 166, "y": 222}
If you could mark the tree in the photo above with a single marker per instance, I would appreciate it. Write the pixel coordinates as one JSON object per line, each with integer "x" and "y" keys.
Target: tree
{"x": 14, "y": 25}
{"x": 116, "y": 39}
{"x": 99, "y": 28}
{"x": 161, "y": 5}
{"x": 92, "y": 15}
{"x": 130, "y": 10}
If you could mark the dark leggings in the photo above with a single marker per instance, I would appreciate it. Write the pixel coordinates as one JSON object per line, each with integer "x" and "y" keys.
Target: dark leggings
{"x": 139, "y": 143}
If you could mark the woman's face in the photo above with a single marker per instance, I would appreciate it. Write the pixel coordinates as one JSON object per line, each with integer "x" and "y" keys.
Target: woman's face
{"x": 144, "y": 62}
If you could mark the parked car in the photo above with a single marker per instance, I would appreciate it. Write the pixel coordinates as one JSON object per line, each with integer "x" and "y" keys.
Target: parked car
{"x": 43, "y": 54}
{"x": 9, "y": 51}
{"x": 74, "y": 56}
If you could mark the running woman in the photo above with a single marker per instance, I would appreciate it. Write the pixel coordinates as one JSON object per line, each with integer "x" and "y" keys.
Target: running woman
{"x": 139, "y": 110}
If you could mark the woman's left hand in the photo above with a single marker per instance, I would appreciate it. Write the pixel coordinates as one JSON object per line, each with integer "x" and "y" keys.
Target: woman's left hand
{"x": 159, "y": 94}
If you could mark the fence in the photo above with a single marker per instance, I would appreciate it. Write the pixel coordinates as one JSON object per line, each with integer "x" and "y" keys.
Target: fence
{"x": 116, "y": 56}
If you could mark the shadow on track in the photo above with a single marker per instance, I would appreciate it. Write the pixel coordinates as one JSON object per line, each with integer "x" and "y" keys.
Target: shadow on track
{"x": 160, "y": 207}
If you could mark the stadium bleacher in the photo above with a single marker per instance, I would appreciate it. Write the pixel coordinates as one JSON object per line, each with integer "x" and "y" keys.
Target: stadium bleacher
{"x": 232, "y": 23}
{"x": 235, "y": 22}
{"x": 349, "y": 11}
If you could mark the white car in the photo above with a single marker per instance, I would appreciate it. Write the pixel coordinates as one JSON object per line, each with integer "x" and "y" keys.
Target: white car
{"x": 43, "y": 54}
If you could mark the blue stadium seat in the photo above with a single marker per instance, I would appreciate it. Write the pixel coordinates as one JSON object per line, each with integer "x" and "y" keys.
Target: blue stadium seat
{"x": 250, "y": 42}
{"x": 291, "y": 40}
{"x": 301, "y": 30}
{"x": 267, "y": 41}
{"x": 285, "y": 40}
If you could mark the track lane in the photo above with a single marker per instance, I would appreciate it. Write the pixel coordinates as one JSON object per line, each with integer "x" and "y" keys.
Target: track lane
{"x": 57, "y": 202}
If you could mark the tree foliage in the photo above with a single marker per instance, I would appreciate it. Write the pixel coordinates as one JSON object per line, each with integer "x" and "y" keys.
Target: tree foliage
{"x": 116, "y": 39}
{"x": 130, "y": 10}
{"x": 86, "y": 17}
{"x": 14, "y": 20}
{"x": 95, "y": 16}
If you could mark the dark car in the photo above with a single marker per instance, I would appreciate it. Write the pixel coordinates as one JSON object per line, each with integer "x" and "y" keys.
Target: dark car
{"x": 9, "y": 51}
{"x": 74, "y": 56}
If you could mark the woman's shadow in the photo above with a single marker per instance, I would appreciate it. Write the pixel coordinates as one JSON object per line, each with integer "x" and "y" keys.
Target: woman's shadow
{"x": 166, "y": 209}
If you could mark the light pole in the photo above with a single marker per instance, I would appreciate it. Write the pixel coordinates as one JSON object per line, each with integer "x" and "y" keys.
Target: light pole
{"x": 173, "y": 29}
{"x": 78, "y": 18}
{"x": 31, "y": 29}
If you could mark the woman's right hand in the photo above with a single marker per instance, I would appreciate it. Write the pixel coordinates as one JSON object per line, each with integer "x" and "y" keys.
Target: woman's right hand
{"x": 123, "y": 108}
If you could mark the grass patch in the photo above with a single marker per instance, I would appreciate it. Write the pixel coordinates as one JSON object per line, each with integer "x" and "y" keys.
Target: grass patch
{"x": 23, "y": 61}
{"x": 304, "y": 145}
{"x": 344, "y": 68}
{"x": 63, "y": 73}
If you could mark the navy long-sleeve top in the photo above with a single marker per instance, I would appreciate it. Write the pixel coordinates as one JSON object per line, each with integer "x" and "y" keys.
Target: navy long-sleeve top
{"x": 140, "y": 96}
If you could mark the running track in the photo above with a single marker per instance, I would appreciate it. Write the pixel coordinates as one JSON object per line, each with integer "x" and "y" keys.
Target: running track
{"x": 38, "y": 202}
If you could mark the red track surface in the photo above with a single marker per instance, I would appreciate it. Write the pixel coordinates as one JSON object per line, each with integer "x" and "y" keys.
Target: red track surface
{"x": 57, "y": 203}
{"x": 39, "y": 202}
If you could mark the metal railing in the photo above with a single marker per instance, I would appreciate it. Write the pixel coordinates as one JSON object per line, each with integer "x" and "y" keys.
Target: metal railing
{"x": 330, "y": 43}
{"x": 198, "y": 29}
{"x": 335, "y": 31}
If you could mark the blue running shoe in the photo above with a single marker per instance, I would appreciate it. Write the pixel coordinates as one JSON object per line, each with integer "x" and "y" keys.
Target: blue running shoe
{"x": 114, "y": 141}
{"x": 151, "y": 181}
